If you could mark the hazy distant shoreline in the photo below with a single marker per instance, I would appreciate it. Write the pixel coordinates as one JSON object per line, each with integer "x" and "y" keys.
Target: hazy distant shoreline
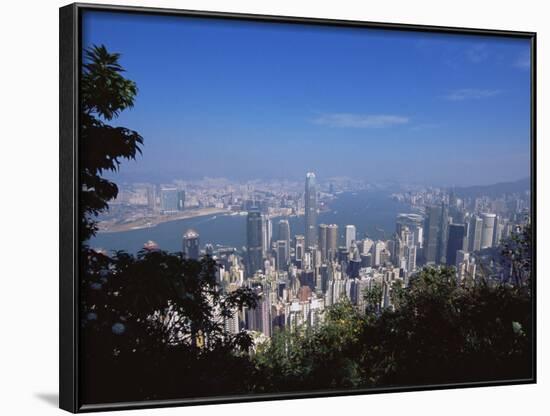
{"x": 106, "y": 227}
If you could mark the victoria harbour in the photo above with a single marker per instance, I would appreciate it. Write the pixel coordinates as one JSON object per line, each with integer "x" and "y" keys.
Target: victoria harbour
{"x": 373, "y": 212}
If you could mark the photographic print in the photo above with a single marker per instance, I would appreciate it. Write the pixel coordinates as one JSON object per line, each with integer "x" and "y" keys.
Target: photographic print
{"x": 272, "y": 208}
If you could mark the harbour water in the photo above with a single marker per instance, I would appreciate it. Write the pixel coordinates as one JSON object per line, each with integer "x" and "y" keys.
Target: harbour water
{"x": 372, "y": 212}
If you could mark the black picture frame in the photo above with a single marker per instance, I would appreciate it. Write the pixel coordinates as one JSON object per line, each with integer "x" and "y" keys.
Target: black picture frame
{"x": 69, "y": 64}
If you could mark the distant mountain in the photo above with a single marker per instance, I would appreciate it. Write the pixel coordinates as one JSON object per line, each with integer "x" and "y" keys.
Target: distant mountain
{"x": 494, "y": 190}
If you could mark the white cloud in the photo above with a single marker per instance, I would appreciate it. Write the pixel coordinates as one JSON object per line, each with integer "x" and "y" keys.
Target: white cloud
{"x": 360, "y": 121}
{"x": 523, "y": 61}
{"x": 471, "y": 94}
{"x": 477, "y": 53}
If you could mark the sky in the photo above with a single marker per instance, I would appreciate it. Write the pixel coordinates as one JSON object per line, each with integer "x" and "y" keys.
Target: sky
{"x": 258, "y": 100}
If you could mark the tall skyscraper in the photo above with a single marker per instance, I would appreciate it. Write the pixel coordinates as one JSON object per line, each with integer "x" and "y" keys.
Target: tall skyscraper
{"x": 281, "y": 254}
{"x": 476, "y": 225}
{"x": 323, "y": 230}
{"x": 487, "y": 230}
{"x": 284, "y": 232}
{"x": 151, "y": 197}
{"x": 332, "y": 241}
{"x": 431, "y": 234}
{"x": 191, "y": 245}
{"x": 267, "y": 231}
{"x": 377, "y": 249}
{"x": 414, "y": 223}
{"x": 455, "y": 243}
{"x": 436, "y": 234}
{"x": 444, "y": 233}
{"x": 254, "y": 241}
{"x": 168, "y": 200}
{"x": 299, "y": 247}
{"x": 311, "y": 210}
{"x": 350, "y": 235}
{"x": 181, "y": 200}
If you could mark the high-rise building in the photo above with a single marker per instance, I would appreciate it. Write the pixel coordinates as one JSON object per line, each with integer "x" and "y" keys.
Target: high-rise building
{"x": 323, "y": 230}
{"x": 443, "y": 234}
{"x": 487, "y": 230}
{"x": 351, "y": 232}
{"x": 377, "y": 249}
{"x": 414, "y": 223}
{"x": 476, "y": 225}
{"x": 168, "y": 200}
{"x": 181, "y": 200}
{"x": 299, "y": 247}
{"x": 267, "y": 232}
{"x": 284, "y": 232}
{"x": 332, "y": 241}
{"x": 311, "y": 210}
{"x": 498, "y": 229}
{"x": 254, "y": 241}
{"x": 191, "y": 245}
{"x": 436, "y": 234}
{"x": 151, "y": 197}
{"x": 455, "y": 242}
{"x": 431, "y": 234}
{"x": 281, "y": 254}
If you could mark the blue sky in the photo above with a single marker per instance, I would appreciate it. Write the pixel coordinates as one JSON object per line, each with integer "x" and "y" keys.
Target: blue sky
{"x": 259, "y": 100}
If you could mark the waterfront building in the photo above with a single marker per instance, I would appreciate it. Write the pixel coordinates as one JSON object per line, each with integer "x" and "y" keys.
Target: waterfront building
{"x": 181, "y": 200}
{"x": 191, "y": 245}
{"x": 168, "y": 200}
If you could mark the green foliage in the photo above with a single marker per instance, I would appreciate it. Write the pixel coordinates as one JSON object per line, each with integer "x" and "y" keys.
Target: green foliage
{"x": 439, "y": 332}
{"x": 316, "y": 358}
{"x": 147, "y": 309}
{"x": 104, "y": 94}
{"x": 517, "y": 254}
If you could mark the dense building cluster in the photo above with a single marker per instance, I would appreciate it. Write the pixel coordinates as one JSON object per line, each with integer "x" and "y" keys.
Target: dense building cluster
{"x": 299, "y": 275}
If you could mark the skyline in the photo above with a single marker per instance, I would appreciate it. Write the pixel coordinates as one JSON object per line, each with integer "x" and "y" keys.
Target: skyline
{"x": 330, "y": 100}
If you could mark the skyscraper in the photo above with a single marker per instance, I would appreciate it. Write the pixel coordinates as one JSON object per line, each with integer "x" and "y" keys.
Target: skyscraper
{"x": 436, "y": 234}
{"x": 267, "y": 231}
{"x": 281, "y": 254}
{"x": 350, "y": 235}
{"x": 323, "y": 230}
{"x": 299, "y": 247}
{"x": 284, "y": 232}
{"x": 487, "y": 230}
{"x": 191, "y": 244}
{"x": 431, "y": 235}
{"x": 254, "y": 241}
{"x": 181, "y": 200}
{"x": 332, "y": 241}
{"x": 168, "y": 200}
{"x": 414, "y": 223}
{"x": 455, "y": 243}
{"x": 151, "y": 197}
{"x": 311, "y": 210}
{"x": 476, "y": 224}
